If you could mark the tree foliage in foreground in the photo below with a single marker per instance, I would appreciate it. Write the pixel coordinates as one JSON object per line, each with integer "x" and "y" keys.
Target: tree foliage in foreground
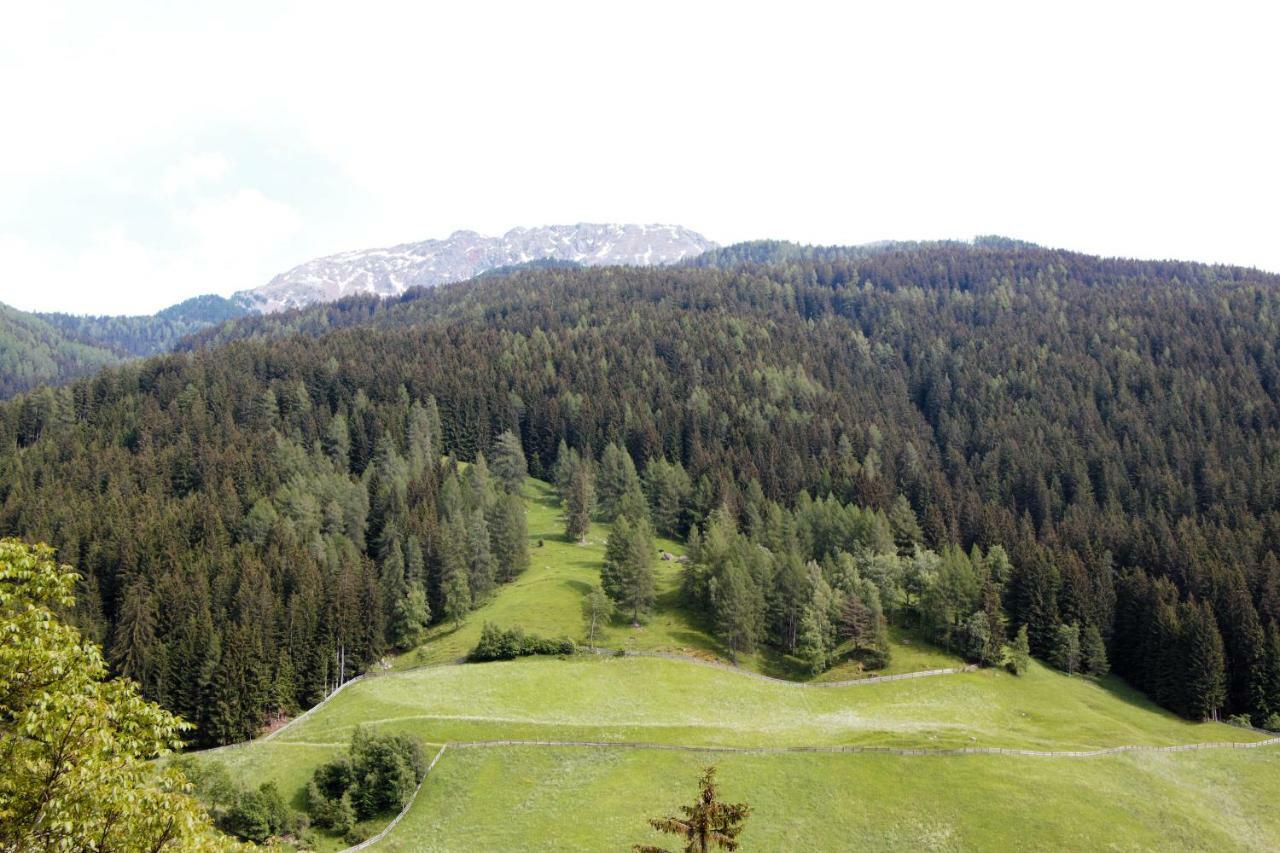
{"x": 707, "y": 823}
{"x": 75, "y": 747}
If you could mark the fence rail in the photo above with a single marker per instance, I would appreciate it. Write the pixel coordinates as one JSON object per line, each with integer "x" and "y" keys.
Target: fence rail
{"x": 881, "y": 750}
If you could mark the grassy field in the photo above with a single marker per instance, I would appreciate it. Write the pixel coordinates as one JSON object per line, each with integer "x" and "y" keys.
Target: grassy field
{"x": 668, "y": 701}
{"x": 578, "y": 798}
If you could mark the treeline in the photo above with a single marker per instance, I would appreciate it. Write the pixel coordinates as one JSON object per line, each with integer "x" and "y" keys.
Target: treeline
{"x": 1096, "y": 418}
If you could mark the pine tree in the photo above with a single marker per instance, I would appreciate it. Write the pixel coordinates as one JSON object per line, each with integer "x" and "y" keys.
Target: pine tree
{"x": 1093, "y": 651}
{"x": 409, "y": 617}
{"x": 455, "y": 587}
{"x": 1065, "y": 652}
{"x": 509, "y": 465}
{"x": 480, "y": 563}
{"x": 134, "y": 646}
{"x": 906, "y": 528}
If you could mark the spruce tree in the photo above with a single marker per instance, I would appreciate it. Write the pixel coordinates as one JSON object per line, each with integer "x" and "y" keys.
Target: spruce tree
{"x": 708, "y": 822}
{"x": 1206, "y": 682}
{"x": 480, "y": 562}
{"x": 627, "y": 575}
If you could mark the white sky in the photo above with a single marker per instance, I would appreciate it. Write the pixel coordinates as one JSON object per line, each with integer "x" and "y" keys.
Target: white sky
{"x": 149, "y": 152}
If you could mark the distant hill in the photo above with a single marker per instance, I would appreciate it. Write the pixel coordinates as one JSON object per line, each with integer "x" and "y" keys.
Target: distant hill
{"x": 34, "y": 351}
{"x": 39, "y": 349}
{"x": 466, "y": 254}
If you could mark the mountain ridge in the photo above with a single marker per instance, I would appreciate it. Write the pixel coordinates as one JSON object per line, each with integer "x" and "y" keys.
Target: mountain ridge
{"x": 392, "y": 270}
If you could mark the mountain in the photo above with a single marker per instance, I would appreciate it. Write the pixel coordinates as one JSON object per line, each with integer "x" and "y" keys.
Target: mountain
{"x": 466, "y": 254}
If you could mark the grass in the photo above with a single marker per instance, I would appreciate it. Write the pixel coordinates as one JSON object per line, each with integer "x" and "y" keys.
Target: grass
{"x": 649, "y": 700}
{"x": 576, "y": 799}
{"x": 526, "y": 798}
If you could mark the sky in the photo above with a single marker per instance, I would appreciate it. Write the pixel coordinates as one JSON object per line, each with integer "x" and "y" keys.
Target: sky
{"x": 153, "y": 151}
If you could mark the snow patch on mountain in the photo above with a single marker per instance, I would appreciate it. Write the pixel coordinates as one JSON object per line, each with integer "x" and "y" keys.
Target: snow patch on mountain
{"x": 465, "y": 254}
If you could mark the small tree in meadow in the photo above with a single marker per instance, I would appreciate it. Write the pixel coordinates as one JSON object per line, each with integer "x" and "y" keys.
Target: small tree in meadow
{"x": 707, "y": 823}
{"x": 597, "y": 608}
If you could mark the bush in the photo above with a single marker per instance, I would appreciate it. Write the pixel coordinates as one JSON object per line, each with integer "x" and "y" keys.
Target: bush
{"x": 1272, "y": 723}
{"x": 378, "y": 776}
{"x": 1244, "y": 721}
{"x": 497, "y": 644}
{"x": 260, "y": 814}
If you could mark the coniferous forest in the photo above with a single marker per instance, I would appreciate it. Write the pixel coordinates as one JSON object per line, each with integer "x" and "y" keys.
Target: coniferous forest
{"x": 974, "y": 439}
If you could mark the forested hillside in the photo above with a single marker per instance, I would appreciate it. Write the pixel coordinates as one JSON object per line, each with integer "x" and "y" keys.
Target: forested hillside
{"x": 41, "y": 349}
{"x": 144, "y": 335}
{"x": 1112, "y": 424}
{"x": 34, "y": 352}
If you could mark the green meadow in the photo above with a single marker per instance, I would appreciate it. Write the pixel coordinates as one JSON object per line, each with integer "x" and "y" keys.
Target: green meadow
{"x": 599, "y": 798}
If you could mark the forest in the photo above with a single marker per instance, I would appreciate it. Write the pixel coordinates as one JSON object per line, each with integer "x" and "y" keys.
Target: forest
{"x": 50, "y": 348}
{"x": 1013, "y": 437}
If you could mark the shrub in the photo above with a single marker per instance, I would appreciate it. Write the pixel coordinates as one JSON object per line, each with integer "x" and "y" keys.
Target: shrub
{"x": 379, "y": 775}
{"x": 1272, "y": 723}
{"x": 260, "y": 814}
{"x": 497, "y": 644}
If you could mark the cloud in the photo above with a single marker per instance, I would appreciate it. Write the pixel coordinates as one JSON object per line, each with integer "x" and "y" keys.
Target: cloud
{"x": 193, "y": 171}
{"x": 224, "y": 244}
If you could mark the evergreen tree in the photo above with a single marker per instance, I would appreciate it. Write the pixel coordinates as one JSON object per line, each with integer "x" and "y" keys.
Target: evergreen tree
{"x": 708, "y": 822}
{"x": 738, "y": 609}
{"x": 1206, "y": 684}
{"x": 509, "y": 466}
{"x": 579, "y": 503}
{"x": 627, "y": 575}
{"x": 1093, "y": 651}
{"x": 480, "y": 562}
{"x": 1065, "y": 652}
{"x": 668, "y": 489}
{"x": 509, "y": 536}
{"x": 410, "y": 617}
{"x": 616, "y": 479}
